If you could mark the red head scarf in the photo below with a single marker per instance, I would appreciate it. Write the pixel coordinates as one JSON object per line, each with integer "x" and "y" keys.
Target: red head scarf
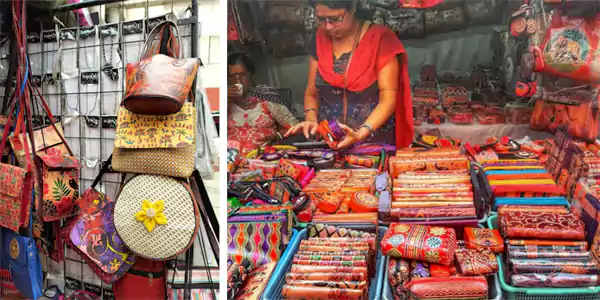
{"x": 376, "y": 48}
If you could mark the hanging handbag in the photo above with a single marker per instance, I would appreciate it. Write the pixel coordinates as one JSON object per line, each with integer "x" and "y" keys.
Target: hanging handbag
{"x": 21, "y": 257}
{"x": 159, "y": 84}
{"x": 47, "y": 141}
{"x": 157, "y": 217}
{"x": 159, "y": 145}
{"x": 16, "y": 184}
{"x": 60, "y": 178}
{"x": 93, "y": 236}
{"x": 145, "y": 280}
{"x": 570, "y": 48}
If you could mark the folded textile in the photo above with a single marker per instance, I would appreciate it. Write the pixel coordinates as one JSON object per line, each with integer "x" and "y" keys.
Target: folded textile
{"x": 532, "y": 201}
{"x": 579, "y": 248}
{"x": 548, "y": 225}
{"x": 547, "y": 243}
{"x": 432, "y": 212}
{"x": 315, "y": 292}
{"x": 256, "y": 282}
{"x": 419, "y": 242}
{"x": 554, "y": 280}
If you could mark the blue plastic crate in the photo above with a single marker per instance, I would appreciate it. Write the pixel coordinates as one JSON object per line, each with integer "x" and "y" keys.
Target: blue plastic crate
{"x": 275, "y": 285}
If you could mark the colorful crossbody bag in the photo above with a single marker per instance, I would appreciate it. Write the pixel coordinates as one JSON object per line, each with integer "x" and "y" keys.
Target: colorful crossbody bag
{"x": 93, "y": 236}
{"x": 157, "y": 145}
{"x": 160, "y": 84}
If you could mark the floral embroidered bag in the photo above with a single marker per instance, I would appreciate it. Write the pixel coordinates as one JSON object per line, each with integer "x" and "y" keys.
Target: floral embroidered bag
{"x": 60, "y": 191}
{"x": 93, "y": 236}
{"x": 16, "y": 184}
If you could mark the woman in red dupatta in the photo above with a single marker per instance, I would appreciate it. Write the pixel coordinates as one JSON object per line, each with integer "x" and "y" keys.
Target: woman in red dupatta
{"x": 358, "y": 76}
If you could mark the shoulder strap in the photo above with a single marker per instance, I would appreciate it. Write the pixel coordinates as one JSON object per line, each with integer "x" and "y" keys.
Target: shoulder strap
{"x": 105, "y": 167}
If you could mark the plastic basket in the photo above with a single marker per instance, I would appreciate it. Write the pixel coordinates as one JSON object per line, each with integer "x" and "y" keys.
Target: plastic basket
{"x": 518, "y": 293}
{"x": 495, "y": 293}
{"x": 275, "y": 285}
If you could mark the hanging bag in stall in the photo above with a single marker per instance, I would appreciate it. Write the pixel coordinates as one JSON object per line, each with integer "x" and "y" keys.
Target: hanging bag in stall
{"x": 160, "y": 145}
{"x": 93, "y": 236}
{"x": 47, "y": 141}
{"x": 19, "y": 253}
{"x": 160, "y": 84}
{"x": 157, "y": 217}
{"x": 576, "y": 110}
{"x": 145, "y": 280}
{"x": 570, "y": 48}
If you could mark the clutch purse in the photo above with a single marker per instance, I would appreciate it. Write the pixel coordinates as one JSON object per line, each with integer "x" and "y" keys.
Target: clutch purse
{"x": 548, "y": 225}
{"x": 418, "y": 242}
{"x": 259, "y": 242}
{"x": 481, "y": 238}
{"x": 476, "y": 262}
{"x": 448, "y": 288}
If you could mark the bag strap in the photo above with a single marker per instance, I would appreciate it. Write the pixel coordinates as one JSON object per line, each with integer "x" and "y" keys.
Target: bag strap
{"x": 103, "y": 170}
{"x": 164, "y": 27}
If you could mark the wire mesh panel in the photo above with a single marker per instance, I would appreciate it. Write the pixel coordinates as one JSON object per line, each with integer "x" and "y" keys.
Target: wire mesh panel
{"x": 80, "y": 72}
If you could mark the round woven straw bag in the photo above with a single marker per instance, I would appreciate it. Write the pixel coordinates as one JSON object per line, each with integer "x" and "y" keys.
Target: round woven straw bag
{"x": 156, "y": 216}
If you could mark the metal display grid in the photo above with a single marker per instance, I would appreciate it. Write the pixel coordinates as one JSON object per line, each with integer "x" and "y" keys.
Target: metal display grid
{"x": 83, "y": 90}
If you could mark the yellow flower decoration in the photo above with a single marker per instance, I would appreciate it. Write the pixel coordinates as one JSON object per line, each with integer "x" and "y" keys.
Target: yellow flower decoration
{"x": 437, "y": 231}
{"x": 152, "y": 214}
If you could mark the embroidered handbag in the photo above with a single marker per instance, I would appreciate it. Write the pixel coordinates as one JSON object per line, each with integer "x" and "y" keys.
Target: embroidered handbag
{"x": 158, "y": 145}
{"x": 156, "y": 216}
{"x": 160, "y": 84}
{"x": 471, "y": 262}
{"x": 427, "y": 243}
{"x": 570, "y": 48}
{"x": 16, "y": 185}
{"x": 92, "y": 235}
{"x": 60, "y": 178}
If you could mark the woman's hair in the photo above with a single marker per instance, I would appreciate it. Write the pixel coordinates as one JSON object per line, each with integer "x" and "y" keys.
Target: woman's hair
{"x": 241, "y": 59}
{"x": 349, "y": 5}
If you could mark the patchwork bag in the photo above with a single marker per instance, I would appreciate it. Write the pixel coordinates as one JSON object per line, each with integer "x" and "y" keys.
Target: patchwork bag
{"x": 158, "y": 145}
{"x": 157, "y": 217}
{"x": 159, "y": 84}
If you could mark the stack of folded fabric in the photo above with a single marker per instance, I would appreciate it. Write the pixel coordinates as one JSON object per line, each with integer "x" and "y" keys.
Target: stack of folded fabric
{"x": 521, "y": 182}
{"x": 428, "y": 262}
{"x": 439, "y": 191}
{"x": 333, "y": 263}
{"x": 343, "y": 191}
{"x": 547, "y": 249}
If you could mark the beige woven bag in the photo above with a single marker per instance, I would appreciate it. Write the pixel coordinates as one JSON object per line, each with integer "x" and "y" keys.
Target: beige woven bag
{"x": 157, "y": 217}
{"x": 159, "y": 145}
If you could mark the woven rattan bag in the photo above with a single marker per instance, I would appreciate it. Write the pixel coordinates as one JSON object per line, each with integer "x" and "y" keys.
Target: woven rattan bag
{"x": 158, "y": 145}
{"x": 156, "y": 217}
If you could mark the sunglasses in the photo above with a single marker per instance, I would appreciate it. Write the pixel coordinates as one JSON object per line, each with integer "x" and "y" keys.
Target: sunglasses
{"x": 330, "y": 19}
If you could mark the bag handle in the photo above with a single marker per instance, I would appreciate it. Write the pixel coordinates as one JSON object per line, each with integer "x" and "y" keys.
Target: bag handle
{"x": 103, "y": 170}
{"x": 164, "y": 25}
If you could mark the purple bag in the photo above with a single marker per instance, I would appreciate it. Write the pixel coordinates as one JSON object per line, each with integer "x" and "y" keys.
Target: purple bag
{"x": 93, "y": 236}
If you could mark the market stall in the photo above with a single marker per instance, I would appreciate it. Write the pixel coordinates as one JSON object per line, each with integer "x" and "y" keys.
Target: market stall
{"x": 494, "y": 197}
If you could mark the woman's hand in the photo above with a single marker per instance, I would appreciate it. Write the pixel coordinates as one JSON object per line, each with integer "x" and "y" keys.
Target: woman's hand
{"x": 352, "y": 136}
{"x": 307, "y": 127}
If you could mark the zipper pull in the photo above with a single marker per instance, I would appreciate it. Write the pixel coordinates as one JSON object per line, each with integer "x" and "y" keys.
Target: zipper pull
{"x": 150, "y": 277}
